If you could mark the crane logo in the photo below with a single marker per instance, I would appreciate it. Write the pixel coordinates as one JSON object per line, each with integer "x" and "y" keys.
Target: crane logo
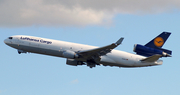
{"x": 158, "y": 41}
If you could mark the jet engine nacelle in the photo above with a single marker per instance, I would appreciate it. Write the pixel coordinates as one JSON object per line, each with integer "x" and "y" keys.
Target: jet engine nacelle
{"x": 74, "y": 62}
{"x": 147, "y": 51}
{"x": 70, "y": 54}
{"x": 21, "y": 51}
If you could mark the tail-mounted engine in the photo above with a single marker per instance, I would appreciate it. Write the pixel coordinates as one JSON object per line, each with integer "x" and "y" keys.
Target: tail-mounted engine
{"x": 147, "y": 51}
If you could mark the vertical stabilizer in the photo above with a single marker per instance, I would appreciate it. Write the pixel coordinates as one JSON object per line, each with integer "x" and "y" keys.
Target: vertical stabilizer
{"x": 158, "y": 41}
{"x": 154, "y": 46}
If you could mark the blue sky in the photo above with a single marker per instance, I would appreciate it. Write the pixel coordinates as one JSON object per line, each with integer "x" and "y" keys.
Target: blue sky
{"x": 34, "y": 74}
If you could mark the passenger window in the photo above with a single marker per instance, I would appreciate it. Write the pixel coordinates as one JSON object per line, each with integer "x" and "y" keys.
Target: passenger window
{"x": 10, "y": 37}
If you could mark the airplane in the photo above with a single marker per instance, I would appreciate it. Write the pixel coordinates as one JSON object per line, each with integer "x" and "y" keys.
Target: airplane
{"x": 79, "y": 54}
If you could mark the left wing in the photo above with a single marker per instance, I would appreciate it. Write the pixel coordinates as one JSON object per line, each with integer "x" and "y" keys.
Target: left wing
{"x": 94, "y": 54}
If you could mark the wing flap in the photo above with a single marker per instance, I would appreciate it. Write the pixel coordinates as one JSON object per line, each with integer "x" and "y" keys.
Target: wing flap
{"x": 152, "y": 58}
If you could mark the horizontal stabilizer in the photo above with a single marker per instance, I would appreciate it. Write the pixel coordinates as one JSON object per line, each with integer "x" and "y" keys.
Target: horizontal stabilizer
{"x": 152, "y": 58}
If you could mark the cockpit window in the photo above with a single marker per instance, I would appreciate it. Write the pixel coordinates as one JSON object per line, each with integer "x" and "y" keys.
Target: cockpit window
{"x": 10, "y": 37}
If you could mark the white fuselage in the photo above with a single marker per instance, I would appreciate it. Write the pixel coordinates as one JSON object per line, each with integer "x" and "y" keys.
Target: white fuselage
{"x": 56, "y": 48}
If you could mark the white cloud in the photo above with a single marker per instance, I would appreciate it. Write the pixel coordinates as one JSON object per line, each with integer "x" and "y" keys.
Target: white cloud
{"x": 17, "y": 13}
{"x": 75, "y": 81}
{"x": 34, "y": 12}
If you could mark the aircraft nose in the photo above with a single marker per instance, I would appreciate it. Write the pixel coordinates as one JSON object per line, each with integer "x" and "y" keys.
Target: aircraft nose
{"x": 6, "y": 41}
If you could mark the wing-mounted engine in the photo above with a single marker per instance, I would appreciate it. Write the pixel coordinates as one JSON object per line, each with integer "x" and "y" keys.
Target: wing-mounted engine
{"x": 70, "y": 54}
{"x": 74, "y": 62}
{"x": 148, "y": 51}
{"x": 21, "y": 51}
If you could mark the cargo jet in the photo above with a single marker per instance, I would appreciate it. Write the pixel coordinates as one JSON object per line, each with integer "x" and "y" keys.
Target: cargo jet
{"x": 79, "y": 54}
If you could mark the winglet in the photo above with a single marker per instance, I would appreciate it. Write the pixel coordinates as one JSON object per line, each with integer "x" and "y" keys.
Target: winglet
{"x": 119, "y": 41}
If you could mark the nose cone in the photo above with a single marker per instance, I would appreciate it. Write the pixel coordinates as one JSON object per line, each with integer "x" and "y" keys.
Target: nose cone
{"x": 6, "y": 41}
